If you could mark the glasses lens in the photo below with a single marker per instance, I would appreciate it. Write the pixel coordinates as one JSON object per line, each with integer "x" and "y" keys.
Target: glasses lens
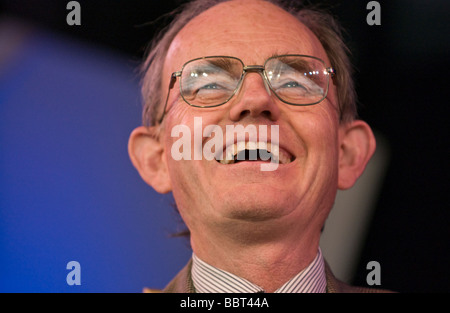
{"x": 210, "y": 81}
{"x": 297, "y": 80}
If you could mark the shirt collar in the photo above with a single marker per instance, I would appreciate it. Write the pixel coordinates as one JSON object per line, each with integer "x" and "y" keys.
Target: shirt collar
{"x": 210, "y": 279}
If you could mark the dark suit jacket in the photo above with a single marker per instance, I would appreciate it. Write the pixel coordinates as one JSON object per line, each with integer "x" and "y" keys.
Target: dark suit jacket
{"x": 182, "y": 283}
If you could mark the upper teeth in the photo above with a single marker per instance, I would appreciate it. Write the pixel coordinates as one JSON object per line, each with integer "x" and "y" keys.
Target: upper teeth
{"x": 233, "y": 150}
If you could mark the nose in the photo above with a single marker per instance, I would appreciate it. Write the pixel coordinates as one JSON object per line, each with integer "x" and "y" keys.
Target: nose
{"x": 254, "y": 99}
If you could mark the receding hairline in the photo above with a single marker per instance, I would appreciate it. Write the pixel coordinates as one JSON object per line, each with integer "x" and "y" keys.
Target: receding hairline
{"x": 260, "y": 5}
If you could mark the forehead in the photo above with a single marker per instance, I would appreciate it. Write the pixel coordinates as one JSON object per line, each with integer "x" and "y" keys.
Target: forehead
{"x": 251, "y": 30}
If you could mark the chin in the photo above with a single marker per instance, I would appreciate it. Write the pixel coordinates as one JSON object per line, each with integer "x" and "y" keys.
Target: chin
{"x": 252, "y": 206}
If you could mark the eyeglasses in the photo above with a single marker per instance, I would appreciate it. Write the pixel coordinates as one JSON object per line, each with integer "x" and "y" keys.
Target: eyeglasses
{"x": 212, "y": 81}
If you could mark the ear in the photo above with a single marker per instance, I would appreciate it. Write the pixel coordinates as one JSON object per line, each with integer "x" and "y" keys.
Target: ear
{"x": 356, "y": 146}
{"x": 148, "y": 157}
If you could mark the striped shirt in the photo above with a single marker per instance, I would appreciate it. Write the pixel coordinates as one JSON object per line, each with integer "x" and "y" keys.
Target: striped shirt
{"x": 210, "y": 279}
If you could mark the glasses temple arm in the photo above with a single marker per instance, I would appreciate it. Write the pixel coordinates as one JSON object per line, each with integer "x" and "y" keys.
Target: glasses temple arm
{"x": 173, "y": 79}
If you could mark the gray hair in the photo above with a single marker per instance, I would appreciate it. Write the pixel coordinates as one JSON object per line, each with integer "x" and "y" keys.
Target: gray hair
{"x": 321, "y": 23}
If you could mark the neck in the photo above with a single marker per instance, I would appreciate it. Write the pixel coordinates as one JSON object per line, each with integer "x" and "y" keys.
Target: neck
{"x": 267, "y": 263}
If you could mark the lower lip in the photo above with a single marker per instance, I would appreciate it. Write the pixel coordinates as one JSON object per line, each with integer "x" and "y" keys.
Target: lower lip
{"x": 254, "y": 163}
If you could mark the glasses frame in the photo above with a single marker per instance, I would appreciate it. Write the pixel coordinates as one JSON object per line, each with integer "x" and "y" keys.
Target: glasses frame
{"x": 260, "y": 69}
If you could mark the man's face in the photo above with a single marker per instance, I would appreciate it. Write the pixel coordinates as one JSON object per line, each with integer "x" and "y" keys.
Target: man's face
{"x": 297, "y": 193}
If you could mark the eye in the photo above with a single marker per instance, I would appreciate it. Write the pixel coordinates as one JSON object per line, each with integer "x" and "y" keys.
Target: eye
{"x": 210, "y": 86}
{"x": 292, "y": 84}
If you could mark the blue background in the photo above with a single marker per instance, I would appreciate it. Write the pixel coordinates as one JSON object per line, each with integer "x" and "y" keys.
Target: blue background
{"x": 68, "y": 190}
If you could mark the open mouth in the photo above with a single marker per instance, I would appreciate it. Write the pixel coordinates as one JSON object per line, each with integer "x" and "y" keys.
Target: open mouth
{"x": 255, "y": 152}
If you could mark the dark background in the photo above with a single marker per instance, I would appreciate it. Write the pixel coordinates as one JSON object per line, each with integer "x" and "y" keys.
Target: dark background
{"x": 402, "y": 82}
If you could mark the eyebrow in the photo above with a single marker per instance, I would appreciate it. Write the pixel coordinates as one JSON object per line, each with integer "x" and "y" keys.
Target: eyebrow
{"x": 223, "y": 63}
{"x": 280, "y": 53}
{"x": 213, "y": 65}
{"x": 276, "y": 54}
{"x": 294, "y": 63}
{"x": 298, "y": 64}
